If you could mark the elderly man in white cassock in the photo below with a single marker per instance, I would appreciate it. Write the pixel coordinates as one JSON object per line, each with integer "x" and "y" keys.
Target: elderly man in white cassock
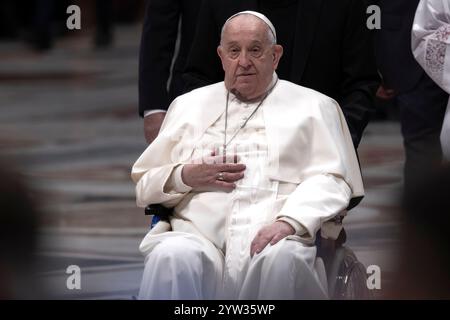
{"x": 253, "y": 167}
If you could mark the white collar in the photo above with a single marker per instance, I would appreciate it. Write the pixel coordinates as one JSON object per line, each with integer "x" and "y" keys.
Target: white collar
{"x": 271, "y": 85}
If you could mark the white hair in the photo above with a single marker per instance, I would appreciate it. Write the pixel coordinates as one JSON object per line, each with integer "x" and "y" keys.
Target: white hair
{"x": 271, "y": 33}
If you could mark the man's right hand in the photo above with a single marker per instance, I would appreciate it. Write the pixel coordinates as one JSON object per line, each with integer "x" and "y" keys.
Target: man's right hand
{"x": 213, "y": 174}
{"x": 152, "y": 124}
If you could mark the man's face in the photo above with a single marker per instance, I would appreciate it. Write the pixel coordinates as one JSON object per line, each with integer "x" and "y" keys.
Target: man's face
{"x": 248, "y": 57}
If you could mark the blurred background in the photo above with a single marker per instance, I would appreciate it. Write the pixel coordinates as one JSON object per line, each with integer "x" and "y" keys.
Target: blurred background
{"x": 69, "y": 127}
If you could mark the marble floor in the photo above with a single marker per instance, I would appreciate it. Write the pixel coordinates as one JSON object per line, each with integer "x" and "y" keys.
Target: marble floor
{"x": 69, "y": 121}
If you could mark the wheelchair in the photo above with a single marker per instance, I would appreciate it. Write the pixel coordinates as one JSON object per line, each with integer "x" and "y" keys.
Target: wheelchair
{"x": 346, "y": 277}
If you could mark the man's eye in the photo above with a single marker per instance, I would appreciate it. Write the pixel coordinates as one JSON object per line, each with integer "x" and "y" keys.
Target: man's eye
{"x": 256, "y": 51}
{"x": 234, "y": 52}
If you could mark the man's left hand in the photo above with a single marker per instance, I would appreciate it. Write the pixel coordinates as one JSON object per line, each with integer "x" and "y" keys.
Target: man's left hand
{"x": 270, "y": 234}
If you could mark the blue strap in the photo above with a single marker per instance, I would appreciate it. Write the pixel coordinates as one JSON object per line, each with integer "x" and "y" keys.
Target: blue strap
{"x": 155, "y": 220}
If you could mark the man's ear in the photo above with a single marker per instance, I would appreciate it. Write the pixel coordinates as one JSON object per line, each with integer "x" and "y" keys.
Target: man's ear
{"x": 277, "y": 53}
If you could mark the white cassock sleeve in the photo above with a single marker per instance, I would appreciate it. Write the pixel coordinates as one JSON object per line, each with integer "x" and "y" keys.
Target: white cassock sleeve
{"x": 430, "y": 41}
{"x": 161, "y": 185}
{"x": 325, "y": 192}
{"x": 156, "y": 173}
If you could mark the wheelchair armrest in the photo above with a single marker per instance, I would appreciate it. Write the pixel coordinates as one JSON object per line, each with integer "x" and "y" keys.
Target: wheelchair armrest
{"x": 158, "y": 210}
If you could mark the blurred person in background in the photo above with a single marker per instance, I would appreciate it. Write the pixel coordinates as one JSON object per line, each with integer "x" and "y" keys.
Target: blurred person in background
{"x": 19, "y": 222}
{"x": 421, "y": 102}
{"x": 41, "y": 22}
{"x": 108, "y": 13}
{"x": 104, "y": 23}
{"x": 164, "y": 22}
{"x": 423, "y": 268}
{"x": 46, "y": 21}
{"x": 430, "y": 44}
{"x": 9, "y": 20}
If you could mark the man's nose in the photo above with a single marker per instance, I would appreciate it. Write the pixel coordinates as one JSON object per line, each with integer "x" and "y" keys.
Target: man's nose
{"x": 244, "y": 60}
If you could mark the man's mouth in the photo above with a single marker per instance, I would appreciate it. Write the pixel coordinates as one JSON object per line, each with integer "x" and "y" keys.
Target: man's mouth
{"x": 246, "y": 74}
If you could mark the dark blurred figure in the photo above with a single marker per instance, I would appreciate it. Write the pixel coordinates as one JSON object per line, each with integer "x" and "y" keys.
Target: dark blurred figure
{"x": 108, "y": 13}
{"x": 104, "y": 14}
{"x": 9, "y": 20}
{"x": 164, "y": 21}
{"x": 38, "y": 23}
{"x": 18, "y": 220}
{"x": 42, "y": 22}
{"x": 421, "y": 102}
{"x": 327, "y": 47}
{"x": 424, "y": 266}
